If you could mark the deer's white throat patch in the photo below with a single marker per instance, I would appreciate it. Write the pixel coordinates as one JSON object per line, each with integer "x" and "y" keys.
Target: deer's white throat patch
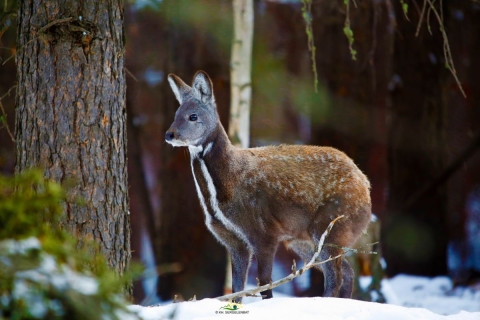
{"x": 194, "y": 151}
{"x": 208, "y": 148}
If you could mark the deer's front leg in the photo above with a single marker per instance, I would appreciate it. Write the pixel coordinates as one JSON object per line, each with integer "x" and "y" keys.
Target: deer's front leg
{"x": 265, "y": 256}
{"x": 239, "y": 253}
{"x": 240, "y": 256}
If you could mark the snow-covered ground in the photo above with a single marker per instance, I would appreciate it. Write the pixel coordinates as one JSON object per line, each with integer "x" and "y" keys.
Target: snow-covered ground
{"x": 435, "y": 294}
{"x": 296, "y": 308}
{"x": 409, "y": 297}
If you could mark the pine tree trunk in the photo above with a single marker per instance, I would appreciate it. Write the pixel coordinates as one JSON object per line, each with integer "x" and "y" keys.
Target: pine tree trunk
{"x": 70, "y": 116}
{"x": 241, "y": 86}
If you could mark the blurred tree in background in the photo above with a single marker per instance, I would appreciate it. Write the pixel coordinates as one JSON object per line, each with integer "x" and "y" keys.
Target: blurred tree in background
{"x": 396, "y": 110}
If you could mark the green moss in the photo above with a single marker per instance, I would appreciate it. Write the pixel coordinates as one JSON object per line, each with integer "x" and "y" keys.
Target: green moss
{"x": 404, "y": 7}
{"x": 307, "y": 16}
{"x": 347, "y": 30}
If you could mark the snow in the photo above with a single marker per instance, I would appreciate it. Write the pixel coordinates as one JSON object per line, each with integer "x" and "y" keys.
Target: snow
{"x": 19, "y": 247}
{"x": 295, "y": 308}
{"x": 60, "y": 277}
{"x": 408, "y": 297}
{"x": 70, "y": 279}
{"x": 47, "y": 273}
{"x": 436, "y": 294}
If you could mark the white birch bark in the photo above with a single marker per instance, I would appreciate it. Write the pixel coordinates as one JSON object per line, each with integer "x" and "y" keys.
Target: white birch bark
{"x": 240, "y": 73}
{"x": 241, "y": 85}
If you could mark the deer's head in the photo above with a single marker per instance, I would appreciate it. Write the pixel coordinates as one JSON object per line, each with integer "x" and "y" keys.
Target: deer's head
{"x": 197, "y": 117}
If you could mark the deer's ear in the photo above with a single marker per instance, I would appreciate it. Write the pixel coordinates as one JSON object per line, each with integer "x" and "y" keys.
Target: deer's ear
{"x": 202, "y": 87}
{"x": 179, "y": 88}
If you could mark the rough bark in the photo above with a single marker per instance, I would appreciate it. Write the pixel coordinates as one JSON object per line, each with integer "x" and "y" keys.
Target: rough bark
{"x": 70, "y": 116}
{"x": 240, "y": 70}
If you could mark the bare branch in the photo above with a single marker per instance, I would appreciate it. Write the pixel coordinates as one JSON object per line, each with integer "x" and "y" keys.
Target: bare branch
{"x": 295, "y": 273}
{"x": 54, "y": 22}
{"x": 8, "y": 92}
{"x": 420, "y": 20}
{"x": 322, "y": 239}
{"x": 131, "y": 74}
{"x": 3, "y": 114}
{"x": 429, "y": 6}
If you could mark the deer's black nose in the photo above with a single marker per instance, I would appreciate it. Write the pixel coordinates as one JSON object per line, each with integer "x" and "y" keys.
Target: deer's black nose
{"x": 169, "y": 135}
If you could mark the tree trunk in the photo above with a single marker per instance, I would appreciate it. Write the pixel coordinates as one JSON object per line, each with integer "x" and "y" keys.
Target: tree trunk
{"x": 241, "y": 83}
{"x": 240, "y": 87}
{"x": 70, "y": 117}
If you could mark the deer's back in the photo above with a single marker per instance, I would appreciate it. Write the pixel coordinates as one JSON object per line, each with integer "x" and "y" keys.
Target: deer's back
{"x": 308, "y": 176}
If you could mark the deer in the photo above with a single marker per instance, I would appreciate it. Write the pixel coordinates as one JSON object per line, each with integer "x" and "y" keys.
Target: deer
{"x": 255, "y": 198}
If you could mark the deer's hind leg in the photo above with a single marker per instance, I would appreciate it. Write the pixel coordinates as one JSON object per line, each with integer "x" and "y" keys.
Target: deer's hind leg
{"x": 338, "y": 274}
{"x": 348, "y": 279}
{"x": 332, "y": 271}
{"x": 305, "y": 250}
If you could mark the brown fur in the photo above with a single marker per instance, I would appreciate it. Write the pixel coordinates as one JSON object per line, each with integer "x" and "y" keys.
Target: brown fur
{"x": 255, "y": 198}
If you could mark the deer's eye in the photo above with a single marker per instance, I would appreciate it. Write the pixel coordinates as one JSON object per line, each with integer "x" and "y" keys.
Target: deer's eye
{"x": 193, "y": 117}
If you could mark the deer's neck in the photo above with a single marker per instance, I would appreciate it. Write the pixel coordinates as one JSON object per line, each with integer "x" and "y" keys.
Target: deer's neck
{"x": 212, "y": 166}
{"x": 215, "y": 172}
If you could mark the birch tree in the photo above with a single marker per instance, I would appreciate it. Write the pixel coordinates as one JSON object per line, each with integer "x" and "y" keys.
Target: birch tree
{"x": 240, "y": 85}
{"x": 240, "y": 72}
